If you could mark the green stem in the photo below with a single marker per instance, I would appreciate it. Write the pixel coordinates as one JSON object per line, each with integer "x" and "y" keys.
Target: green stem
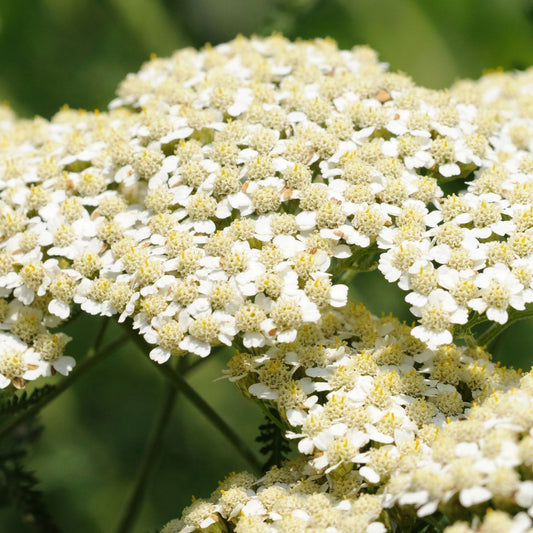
{"x": 99, "y": 336}
{"x": 183, "y": 386}
{"x": 211, "y": 415}
{"x": 133, "y": 506}
{"x": 81, "y": 368}
{"x": 271, "y": 417}
{"x": 475, "y": 320}
{"x": 362, "y": 260}
{"x": 196, "y": 364}
{"x": 465, "y": 331}
{"x": 153, "y": 447}
{"x": 496, "y": 329}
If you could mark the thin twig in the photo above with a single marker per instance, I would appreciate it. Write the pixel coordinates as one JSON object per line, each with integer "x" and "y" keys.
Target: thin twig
{"x": 183, "y": 386}
{"x": 81, "y": 368}
{"x": 179, "y": 382}
{"x": 99, "y": 335}
{"x": 133, "y": 506}
{"x": 495, "y": 330}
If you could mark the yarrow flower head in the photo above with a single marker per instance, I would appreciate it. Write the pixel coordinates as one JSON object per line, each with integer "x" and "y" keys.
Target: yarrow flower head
{"x": 227, "y": 192}
{"x": 388, "y": 430}
{"x": 225, "y": 197}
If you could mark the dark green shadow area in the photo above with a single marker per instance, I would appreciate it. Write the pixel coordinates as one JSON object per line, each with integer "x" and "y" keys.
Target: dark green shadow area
{"x": 379, "y": 296}
{"x": 95, "y": 434}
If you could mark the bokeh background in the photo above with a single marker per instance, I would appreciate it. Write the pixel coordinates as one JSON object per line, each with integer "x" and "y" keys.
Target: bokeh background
{"x": 75, "y": 52}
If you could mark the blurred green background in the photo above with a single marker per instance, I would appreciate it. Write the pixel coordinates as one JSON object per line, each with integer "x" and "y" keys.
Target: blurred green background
{"x": 54, "y": 52}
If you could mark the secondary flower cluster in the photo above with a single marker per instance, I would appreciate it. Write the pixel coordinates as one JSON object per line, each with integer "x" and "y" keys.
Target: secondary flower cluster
{"x": 286, "y": 499}
{"x": 387, "y": 426}
{"x": 482, "y": 460}
{"x": 355, "y": 380}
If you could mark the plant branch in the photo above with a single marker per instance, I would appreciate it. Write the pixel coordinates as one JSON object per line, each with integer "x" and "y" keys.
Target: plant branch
{"x": 496, "y": 329}
{"x": 99, "y": 336}
{"x": 153, "y": 447}
{"x": 183, "y": 386}
{"x": 464, "y": 331}
{"x": 82, "y": 368}
{"x": 215, "y": 419}
{"x": 271, "y": 417}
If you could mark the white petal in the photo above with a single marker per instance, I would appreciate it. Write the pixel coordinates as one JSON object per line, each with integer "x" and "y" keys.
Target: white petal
{"x": 253, "y": 340}
{"x": 91, "y": 307}
{"x": 288, "y": 335}
{"x": 474, "y": 495}
{"x": 190, "y": 344}
{"x": 524, "y": 496}
{"x": 369, "y": 474}
{"x": 478, "y": 304}
{"x": 253, "y": 508}
{"x": 59, "y": 308}
{"x": 24, "y": 294}
{"x": 295, "y": 417}
{"x": 450, "y": 169}
{"x": 262, "y": 392}
{"x": 428, "y": 508}
{"x": 376, "y": 527}
{"x": 338, "y": 295}
{"x": 306, "y": 446}
{"x": 413, "y": 498}
{"x": 159, "y": 355}
{"x": 416, "y": 299}
{"x": 64, "y": 364}
{"x": 497, "y": 315}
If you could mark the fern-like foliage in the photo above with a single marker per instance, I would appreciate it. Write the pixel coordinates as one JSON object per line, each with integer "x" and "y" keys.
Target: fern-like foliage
{"x": 20, "y": 402}
{"x": 18, "y": 485}
{"x": 18, "y": 489}
{"x": 275, "y": 446}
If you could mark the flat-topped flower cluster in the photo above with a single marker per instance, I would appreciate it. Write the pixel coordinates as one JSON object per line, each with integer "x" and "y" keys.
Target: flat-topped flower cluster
{"x": 357, "y": 380}
{"x": 461, "y": 471}
{"x": 285, "y": 499}
{"x": 227, "y": 197}
{"x": 389, "y": 432}
{"x": 226, "y": 192}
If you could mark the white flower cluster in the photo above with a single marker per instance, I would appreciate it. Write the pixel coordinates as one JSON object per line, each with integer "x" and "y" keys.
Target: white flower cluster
{"x": 484, "y": 459}
{"x": 226, "y": 192}
{"x": 475, "y": 252}
{"x": 355, "y": 380}
{"x": 286, "y": 499}
{"x": 385, "y": 424}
